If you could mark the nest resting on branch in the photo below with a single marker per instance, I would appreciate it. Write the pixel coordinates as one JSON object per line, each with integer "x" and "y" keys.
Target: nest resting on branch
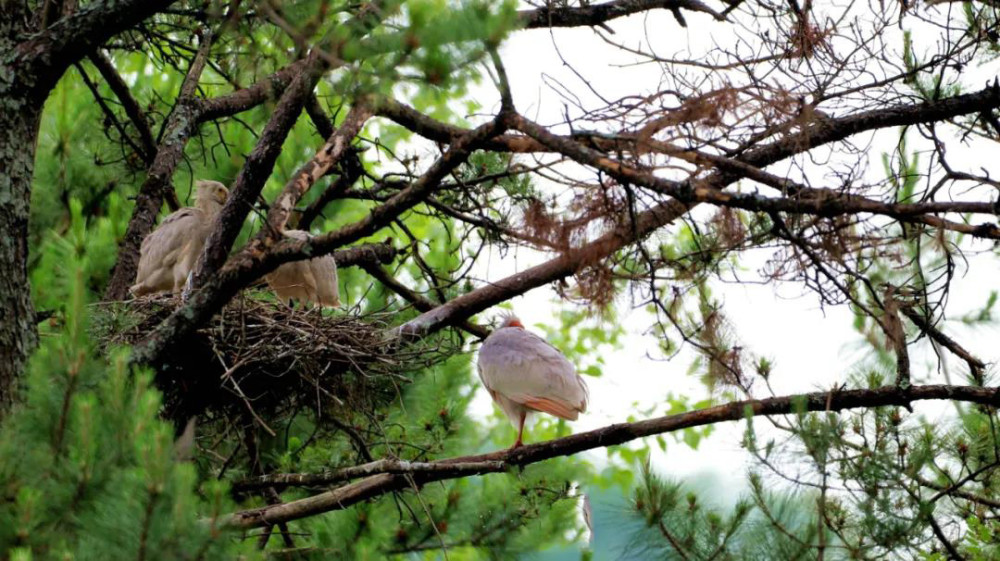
{"x": 265, "y": 360}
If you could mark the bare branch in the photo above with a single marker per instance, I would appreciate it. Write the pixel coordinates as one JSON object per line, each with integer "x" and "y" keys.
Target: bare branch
{"x": 664, "y": 213}
{"x": 599, "y": 14}
{"x": 419, "y": 302}
{"x": 612, "y": 435}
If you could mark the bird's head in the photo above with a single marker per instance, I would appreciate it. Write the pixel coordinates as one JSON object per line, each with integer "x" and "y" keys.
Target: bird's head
{"x": 510, "y": 320}
{"x": 211, "y": 191}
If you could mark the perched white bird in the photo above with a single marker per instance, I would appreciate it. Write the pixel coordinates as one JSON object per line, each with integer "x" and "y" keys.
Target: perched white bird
{"x": 523, "y": 373}
{"x": 171, "y": 251}
{"x": 311, "y": 281}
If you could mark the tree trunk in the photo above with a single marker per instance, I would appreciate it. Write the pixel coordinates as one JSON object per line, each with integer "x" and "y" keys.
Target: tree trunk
{"x": 19, "y": 122}
{"x": 20, "y": 116}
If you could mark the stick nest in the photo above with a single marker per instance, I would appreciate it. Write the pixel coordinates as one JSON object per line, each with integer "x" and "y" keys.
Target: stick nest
{"x": 263, "y": 359}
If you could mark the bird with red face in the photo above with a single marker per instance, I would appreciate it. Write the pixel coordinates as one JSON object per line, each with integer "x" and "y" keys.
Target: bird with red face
{"x": 525, "y": 374}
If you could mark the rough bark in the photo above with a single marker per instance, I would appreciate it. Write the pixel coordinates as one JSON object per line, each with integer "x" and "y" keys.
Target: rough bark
{"x": 19, "y": 122}
{"x": 20, "y": 113}
{"x": 31, "y": 62}
{"x": 47, "y": 54}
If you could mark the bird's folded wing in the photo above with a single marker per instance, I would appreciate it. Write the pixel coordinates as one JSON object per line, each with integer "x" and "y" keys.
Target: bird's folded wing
{"x": 324, "y": 270}
{"x": 162, "y": 247}
{"x": 524, "y": 368}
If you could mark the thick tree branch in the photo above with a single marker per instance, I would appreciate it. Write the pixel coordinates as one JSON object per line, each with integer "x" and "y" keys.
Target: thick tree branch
{"x": 270, "y": 87}
{"x": 49, "y": 53}
{"x": 366, "y": 255}
{"x": 254, "y": 173}
{"x": 376, "y": 467}
{"x": 398, "y": 477}
{"x": 598, "y": 14}
{"x": 432, "y": 129}
{"x": 337, "y": 145}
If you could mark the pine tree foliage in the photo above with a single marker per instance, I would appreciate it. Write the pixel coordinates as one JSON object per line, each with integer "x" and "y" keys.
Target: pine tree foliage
{"x": 90, "y": 471}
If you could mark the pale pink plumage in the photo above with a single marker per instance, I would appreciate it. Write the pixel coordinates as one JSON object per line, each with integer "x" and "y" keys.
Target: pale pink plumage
{"x": 523, "y": 373}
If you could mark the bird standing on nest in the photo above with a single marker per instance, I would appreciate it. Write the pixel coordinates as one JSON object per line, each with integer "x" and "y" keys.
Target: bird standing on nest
{"x": 311, "y": 281}
{"x": 170, "y": 253}
{"x": 523, "y": 374}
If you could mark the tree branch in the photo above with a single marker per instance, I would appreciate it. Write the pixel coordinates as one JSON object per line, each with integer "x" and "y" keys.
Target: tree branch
{"x": 976, "y": 366}
{"x": 419, "y": 302}
{"x": 270, "y": 87}
{"x": 399, "y": 477}
{"x": 568, "y": 263}
{"x": 819, "y": 202}
{"x": 135, "y": 113}
{"x": 598, "y": 14}
{"x": 351, "y": 170}
{"x": 337, "y": 145}
{"x": 49, "y": 53}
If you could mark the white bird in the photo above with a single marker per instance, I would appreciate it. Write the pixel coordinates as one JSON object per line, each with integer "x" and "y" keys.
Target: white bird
{"x": 171, "y": 251}
{"x": 310, "y": 281}
{"x": 588, "y": 518}
{"x": 523, "y": 374}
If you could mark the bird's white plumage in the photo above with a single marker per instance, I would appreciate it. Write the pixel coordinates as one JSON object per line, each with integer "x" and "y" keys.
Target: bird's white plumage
{"x": 312, "y": 281}
{"x": 170, "y": 252}
{"x": 524, "y": 373}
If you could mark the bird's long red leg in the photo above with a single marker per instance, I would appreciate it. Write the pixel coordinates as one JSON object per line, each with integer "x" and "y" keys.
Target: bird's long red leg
{"x": 520, "y": 431}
